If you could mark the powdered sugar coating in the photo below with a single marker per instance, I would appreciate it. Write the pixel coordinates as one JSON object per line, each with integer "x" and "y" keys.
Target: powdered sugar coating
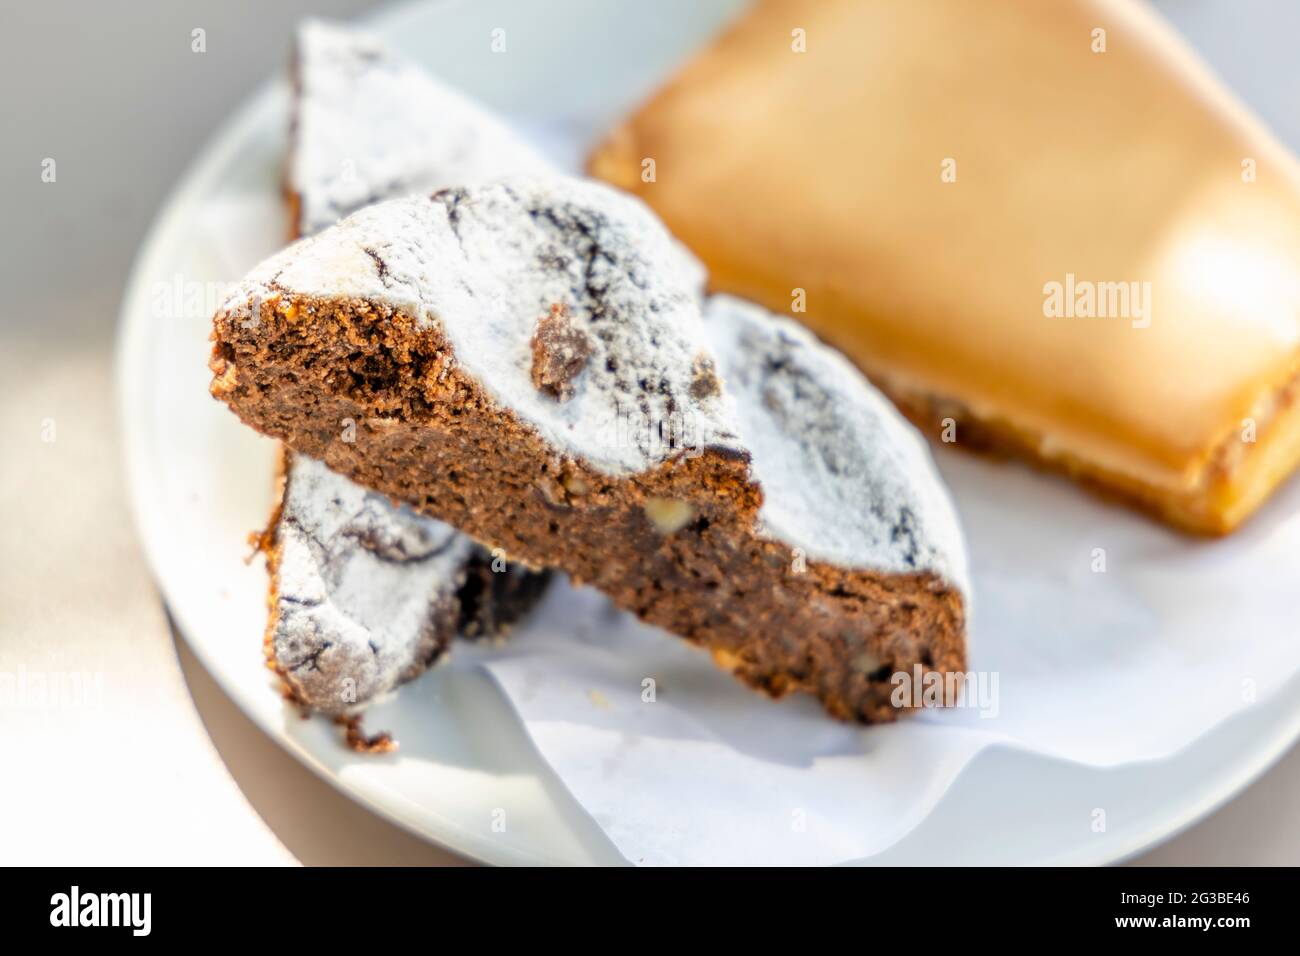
{"x": 369, "y": 126}
{"x": 367, "y": 595}
{"x": 844, "y": 477}
{"x": 484, "y": 263}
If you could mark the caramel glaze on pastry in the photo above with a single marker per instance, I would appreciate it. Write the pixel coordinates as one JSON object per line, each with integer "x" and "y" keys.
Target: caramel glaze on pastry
{"x": 925, "y": 172}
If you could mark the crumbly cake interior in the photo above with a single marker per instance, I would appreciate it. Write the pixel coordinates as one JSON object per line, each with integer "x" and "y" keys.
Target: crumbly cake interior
{"x": 676, "y": 544}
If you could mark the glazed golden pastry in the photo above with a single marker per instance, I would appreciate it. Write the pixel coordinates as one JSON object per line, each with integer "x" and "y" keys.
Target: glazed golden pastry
{"x": 966, "y": 193}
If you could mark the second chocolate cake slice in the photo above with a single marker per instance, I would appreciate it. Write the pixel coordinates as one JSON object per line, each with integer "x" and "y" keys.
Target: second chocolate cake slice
{"x": 529, "y": 361}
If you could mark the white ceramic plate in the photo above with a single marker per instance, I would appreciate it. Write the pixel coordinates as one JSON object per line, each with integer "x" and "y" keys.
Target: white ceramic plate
{"x": 200, "y": 482}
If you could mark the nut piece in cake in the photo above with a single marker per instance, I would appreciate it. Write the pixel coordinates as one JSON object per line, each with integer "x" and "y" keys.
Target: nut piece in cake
{"x": 560, "y": 353}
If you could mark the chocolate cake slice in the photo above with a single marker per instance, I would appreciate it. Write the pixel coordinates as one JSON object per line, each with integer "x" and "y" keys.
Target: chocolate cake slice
{"x": 528, "y": 361}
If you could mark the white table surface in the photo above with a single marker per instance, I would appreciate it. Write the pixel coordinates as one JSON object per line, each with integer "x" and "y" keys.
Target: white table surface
{"x": 159, "y": 766}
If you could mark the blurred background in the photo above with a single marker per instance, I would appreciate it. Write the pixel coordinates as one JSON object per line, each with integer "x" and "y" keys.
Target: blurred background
{"x": 172, "y": 772}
